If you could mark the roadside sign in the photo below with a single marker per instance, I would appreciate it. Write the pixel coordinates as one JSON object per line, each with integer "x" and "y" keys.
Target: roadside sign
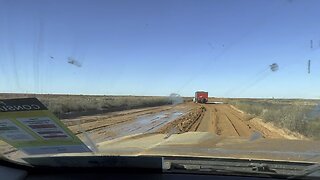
{"x": 28, "y": 125}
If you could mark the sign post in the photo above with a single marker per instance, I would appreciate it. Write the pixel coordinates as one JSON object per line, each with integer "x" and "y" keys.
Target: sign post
{"x": 28, "y": 125}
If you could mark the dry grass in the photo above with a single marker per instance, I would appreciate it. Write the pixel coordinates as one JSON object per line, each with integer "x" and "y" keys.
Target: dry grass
{"x": 65, "y": 106}
{"x": 302, "y": 116}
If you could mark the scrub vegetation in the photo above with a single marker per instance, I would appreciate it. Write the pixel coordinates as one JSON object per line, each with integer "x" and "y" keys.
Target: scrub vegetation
{"x": 68, "y": 106}
{"x": 302, "y": 116}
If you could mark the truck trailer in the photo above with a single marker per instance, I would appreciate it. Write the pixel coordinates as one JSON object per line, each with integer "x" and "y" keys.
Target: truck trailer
{"x": 201, "y": 97}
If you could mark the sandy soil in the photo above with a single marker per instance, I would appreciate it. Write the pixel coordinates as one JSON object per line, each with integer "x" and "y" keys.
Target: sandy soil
{"x": 113, "y": 125}
{"x": 226, "y": 120}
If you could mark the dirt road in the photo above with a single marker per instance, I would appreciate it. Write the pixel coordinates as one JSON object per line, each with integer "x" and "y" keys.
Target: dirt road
{"x": 221, "y": 119}
{"x": 226, "y": 120}
{"x": 113, "y": 125}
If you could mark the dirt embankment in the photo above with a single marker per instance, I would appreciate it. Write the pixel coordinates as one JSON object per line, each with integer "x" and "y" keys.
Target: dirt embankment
{"x": 188, "y": 122}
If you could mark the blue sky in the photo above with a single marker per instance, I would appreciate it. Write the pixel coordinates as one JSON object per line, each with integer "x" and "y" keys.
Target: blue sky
{"x": 151, "y": 47}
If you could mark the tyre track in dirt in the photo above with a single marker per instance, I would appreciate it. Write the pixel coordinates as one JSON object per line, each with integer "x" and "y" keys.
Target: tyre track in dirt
{"x": 225, "y": 120}
{"x": 107, "y": 128}
{"x": 239, "y": 124}
{"x": 102, "y": 121}
{"x": 220, "y": 121}
{"x": 234, "y": 127}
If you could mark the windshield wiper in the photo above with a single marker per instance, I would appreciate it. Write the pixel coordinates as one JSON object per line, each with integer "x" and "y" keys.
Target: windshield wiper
{"x": 257, "y": 169}
{"x": 261, "y": 168}
{"x": 307, "y": 171}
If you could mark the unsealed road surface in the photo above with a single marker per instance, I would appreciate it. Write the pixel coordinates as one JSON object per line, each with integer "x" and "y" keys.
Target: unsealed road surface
{"x": 225, "y": 120}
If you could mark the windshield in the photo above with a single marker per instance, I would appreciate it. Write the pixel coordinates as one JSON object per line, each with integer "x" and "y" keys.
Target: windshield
{"x": 216, "y": 78}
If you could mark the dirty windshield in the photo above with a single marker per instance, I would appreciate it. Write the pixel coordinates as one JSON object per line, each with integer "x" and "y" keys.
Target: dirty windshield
{"x": 216, "y": 78}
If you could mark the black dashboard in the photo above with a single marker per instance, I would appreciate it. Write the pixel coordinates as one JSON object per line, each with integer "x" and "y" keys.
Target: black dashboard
{"x": 135, "y": 168}
{"x": 17, "y": 173}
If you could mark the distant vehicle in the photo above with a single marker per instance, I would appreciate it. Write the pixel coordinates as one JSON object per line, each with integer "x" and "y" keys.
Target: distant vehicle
{"x": 201, "y": 97}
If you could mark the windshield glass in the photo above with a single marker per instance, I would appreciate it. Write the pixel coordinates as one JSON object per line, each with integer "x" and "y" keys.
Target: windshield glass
{"x": 218, "y": 78}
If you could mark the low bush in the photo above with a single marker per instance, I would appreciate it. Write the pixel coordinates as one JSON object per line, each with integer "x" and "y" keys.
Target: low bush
{"x": 65, "y": 104}
{"x": 296, "y": 116}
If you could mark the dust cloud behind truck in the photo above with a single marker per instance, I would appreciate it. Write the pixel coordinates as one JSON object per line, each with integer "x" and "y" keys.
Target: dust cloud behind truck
{"x": 201, "y": 97}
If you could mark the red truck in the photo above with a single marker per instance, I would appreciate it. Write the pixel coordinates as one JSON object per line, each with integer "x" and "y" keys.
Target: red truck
{"x": 201, "y": 97}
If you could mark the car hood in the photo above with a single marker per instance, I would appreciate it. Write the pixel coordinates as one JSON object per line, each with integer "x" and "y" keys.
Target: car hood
{"x": 205, "y": 144}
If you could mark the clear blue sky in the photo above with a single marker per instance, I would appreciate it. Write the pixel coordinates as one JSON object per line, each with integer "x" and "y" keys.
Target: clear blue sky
{"x": 156, "y": 47}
